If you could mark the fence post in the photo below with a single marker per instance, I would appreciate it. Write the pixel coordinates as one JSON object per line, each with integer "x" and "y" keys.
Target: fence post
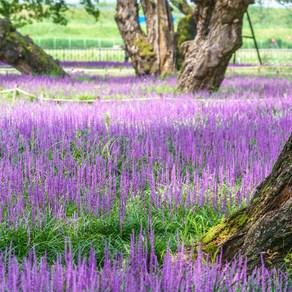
{"x": 14, "y": 93}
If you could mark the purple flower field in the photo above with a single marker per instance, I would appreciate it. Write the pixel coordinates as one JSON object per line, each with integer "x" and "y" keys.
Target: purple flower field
{"x": 112, "y": 195}
{"x": 83, "y": 86}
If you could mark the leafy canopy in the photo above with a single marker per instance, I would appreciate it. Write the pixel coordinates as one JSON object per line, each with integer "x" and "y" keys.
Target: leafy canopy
{"x": 284, "y": 1}
{"x": 22, "y": 12}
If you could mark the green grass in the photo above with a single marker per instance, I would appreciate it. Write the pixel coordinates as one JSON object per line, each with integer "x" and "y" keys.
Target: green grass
{"x": 268, "y": 23}
{"x": 86, "y": 230}
{"x": 244, "y": 56}
{"x": 273, "y": 71}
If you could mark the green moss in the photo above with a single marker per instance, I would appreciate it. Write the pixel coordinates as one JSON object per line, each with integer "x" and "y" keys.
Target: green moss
{"x": 211, "y": 248}
{"x": 242, "y": 219}
{"x": 144, "y": 47}
{"x": 212, "y": 234}
{"x": 39, "y": 60}
{"x": 218, "y": 234}
{"x": 147, "y": 67}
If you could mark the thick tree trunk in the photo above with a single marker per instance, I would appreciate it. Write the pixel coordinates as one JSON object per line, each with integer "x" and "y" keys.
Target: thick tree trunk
{"x": 154, "y": 52}
{"x": 264, "y": 227}
{"x": 166, "y": 39}
{"x": 140, "y": 49}
{"x": 219, "y": 25}
{"x": 160, "y": 32}
{"x": 21, "y": 53}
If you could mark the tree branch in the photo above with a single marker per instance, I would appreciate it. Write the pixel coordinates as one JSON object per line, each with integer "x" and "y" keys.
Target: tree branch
{"x": 21, "y": 53}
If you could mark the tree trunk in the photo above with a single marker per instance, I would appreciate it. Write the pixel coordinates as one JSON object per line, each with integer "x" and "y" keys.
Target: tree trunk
{"x": 140, "y": 50}
{"x": 264, "y": 227}
{"x": 154, "y": 52}
{"x": 166, "y": 39}
{"x": 219, "y": 26}
{"x": 21, "y": 53}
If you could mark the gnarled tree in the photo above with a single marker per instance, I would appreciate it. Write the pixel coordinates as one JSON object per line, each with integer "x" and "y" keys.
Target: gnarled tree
{"x": 219, "y": 26}
{"x": 264, "y": 227}
{"x": 21, "y": 53}
{"x": 137, "y": 44}
{"x": 153, "y": 52}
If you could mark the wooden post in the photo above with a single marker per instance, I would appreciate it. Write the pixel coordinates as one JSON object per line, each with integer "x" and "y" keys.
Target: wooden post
{"x": 14, "y": 93}
{"x": 254, "y": 38}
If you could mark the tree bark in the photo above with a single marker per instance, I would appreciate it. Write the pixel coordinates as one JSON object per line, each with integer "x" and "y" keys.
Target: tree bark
{"x": 219, "y": 26}
{"x": 166, "y": 39}
{"x": 140, "y": 49}
{"x": 264, "y": 227}
{"x": 154, "y": 52}
{"x": 21, "y": 53}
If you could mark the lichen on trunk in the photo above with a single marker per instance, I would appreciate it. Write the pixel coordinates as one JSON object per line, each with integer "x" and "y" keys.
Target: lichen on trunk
{"x": 21, "y": 53}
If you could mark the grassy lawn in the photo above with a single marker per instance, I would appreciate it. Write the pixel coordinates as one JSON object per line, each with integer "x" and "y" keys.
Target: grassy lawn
{"x": 268, "y": 23}
{"x": 243, "y": 56}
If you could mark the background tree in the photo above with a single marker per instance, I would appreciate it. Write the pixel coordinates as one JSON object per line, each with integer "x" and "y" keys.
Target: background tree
{"x": 219, "y": 27}
{"x": 159, "y": 50}
{"x": 25, "y": 12}
{"x": 284, "y": 2}
{"x": 22, "y": 12}
{"x": 19, "y": 51}
{"x": 153, "y": 52}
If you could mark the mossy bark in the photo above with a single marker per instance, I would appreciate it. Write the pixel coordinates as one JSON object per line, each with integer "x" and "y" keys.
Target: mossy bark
{"x": 264, "y": 227}
{"x": 219, "y": 26}
{"x": 21, "y": 53}
{"x": 140, "y": 49}
{"x": 154, "y": 52}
